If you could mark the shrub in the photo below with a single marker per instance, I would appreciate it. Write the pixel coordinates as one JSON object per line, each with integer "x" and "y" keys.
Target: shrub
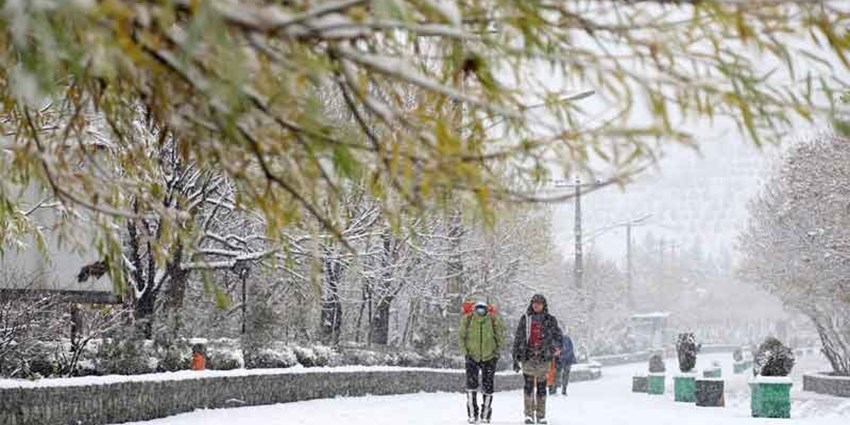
{"x": 122, "y": 356}
{"x": 173, "y": 358}
{"x": 306, "y": 356}
{"x": 42, "y": 361}
{"x": 281, "y": 357}
{"x": 224, "y": 358}
{"x": 773, "y": 359}
{"x": 656, "y": 363}
{"x": 686, "y": 350}
{"x": 410, "y": 359}
{"x": 326, "y": 356}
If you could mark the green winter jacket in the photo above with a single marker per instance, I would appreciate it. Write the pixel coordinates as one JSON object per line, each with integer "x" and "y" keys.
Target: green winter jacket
{"x": 481, "y": 337}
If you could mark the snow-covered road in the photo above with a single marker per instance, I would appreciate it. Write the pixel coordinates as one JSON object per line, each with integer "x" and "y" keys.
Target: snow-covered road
{"x": 608, "y": 401}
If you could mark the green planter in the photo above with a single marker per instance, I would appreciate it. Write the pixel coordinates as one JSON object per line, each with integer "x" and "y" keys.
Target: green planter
{"x": 684, "y": 387}
{"x": 741, "y": 367}
{"x": 770, "y": 397}
{"x": 655, "y": 383}
{"x": 712, "y": 373}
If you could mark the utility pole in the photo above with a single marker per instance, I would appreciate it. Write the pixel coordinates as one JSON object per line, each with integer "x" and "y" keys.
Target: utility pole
{"x": 578, "y": 267}
{"x": 630, "y": 293}
{"x": 578, "y": 270}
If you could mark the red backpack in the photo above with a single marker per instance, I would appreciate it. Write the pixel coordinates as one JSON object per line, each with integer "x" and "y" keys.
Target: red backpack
{"x": 468, "y": 307}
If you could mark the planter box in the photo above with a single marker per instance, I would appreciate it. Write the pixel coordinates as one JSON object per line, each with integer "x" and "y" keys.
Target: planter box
{"x": 639, "y": 384}
{"x": 655, "y": 383}
{"x": 684, "y": 388}
{"x": 770, "y": 397}
{"x": 709, "y": 392}
{"x": 741, "y": 367}
{"x": 712, "y": 373}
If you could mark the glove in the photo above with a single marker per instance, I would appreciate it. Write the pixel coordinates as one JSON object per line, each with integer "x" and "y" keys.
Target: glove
{"x": 516, "y": 366}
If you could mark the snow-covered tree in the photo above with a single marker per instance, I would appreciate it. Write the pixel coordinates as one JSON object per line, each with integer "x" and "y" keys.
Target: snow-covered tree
{"x": 184, "y": 219}
{"x": 797, "y": 243}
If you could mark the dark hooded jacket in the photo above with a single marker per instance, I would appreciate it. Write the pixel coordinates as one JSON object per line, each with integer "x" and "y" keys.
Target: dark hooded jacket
{"x": 568, "y": 355}
{"x": 551, "y": 334}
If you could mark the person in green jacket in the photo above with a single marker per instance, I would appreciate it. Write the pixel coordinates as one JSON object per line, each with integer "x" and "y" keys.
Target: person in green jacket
{"x": 481, "y": 337}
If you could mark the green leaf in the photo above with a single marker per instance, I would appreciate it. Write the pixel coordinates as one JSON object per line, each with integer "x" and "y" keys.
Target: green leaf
{"x": 345, "y": 162}
{"x": 841, "y": 126}
{"x": 393, "y": 9}
{"x": 222, "y": 300}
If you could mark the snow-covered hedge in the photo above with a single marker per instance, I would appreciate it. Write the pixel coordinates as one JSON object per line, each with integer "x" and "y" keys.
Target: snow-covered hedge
{"x": 266, "y": 358}
{"x": 130, "y": 357}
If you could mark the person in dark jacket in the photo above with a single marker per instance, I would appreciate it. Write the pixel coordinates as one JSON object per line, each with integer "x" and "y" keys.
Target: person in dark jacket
{"x": 537, "y": 341}
{"x": 566, "y": 361}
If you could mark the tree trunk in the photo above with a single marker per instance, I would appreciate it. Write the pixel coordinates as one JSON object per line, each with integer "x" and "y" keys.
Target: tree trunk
{"x": 454, "y": 283}
{"x": 380, "y": 328}
{"x": 144, "y": 313}
{"x": 379, "y": 325}
{"x": 410, "y": 323}
{"x": 834, "y": 348}
{"x": 331, "y": 316}
{"x": 360, "y": 316}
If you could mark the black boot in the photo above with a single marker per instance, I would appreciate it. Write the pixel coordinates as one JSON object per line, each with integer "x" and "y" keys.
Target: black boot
{"x": 487, "y": 408}
{"x": 472, "y": 406}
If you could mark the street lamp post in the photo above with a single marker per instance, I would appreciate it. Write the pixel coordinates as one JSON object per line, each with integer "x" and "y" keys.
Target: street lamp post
{"x": 243, "y": 269}
{"x": 629, "y": 268}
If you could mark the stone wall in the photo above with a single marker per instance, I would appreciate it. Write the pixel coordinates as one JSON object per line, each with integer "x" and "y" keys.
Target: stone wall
{"x": 643, "y": 356}
{"x": 618, "y": 359}
{"x": 144, "y": 400}
{"x": 826, "y": 383}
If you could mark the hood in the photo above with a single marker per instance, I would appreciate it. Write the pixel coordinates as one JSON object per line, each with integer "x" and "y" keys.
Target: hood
{"x": 529, "y": 310}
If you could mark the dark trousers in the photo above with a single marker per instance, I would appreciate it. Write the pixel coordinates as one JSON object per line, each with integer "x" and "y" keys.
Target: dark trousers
{"x": 484, "y": 370}
{"x": 535, "y": 403}
{"x": 565, "y": 377}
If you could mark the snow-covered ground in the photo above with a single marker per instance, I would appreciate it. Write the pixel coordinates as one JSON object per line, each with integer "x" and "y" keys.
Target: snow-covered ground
{"x": 603, "y": 402}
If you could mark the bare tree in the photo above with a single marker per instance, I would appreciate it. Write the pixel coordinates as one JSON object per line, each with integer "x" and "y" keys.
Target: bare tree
{"x": 26, "y": 319}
